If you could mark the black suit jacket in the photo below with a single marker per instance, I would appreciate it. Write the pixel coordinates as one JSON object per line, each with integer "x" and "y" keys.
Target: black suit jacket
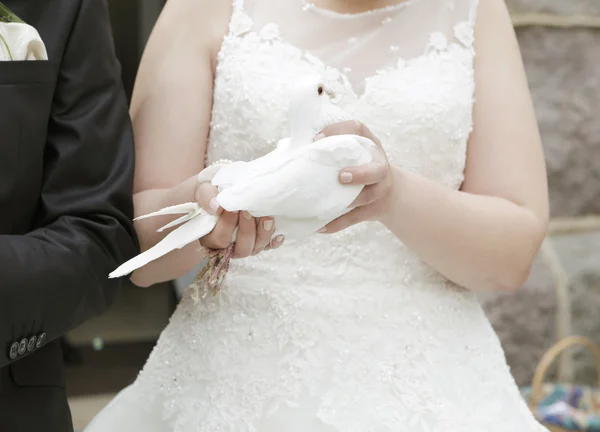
{"x": 66, "y": 173}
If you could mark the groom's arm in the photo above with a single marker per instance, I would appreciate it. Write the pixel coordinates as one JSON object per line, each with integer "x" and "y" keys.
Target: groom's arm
{"x": 55, "y": 277}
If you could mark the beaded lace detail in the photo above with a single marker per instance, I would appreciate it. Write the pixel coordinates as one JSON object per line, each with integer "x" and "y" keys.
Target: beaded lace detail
{"x": 310, "y": 6}
{"x": 350, "y": 332}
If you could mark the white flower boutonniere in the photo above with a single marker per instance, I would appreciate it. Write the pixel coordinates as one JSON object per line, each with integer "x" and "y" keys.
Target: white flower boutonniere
{"x": 18, "y": 40}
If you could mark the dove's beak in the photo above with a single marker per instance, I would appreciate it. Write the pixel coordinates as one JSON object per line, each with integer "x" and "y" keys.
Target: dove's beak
{"x": 330, "y": 93}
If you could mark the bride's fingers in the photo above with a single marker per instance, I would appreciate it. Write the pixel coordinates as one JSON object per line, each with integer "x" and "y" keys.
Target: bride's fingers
{"x": 369, "y": 195}
{"x": 246, "y": 235}
{"x": 368, "y": 174}
{"x": 205, "y": 195}
{"x": 276, "y": 242}
{"x": 222, "y": 234}
{"x": 264, "y": 232}
{"x": 359, "y": 214}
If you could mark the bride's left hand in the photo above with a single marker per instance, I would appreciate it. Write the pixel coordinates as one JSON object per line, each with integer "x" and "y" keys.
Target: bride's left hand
{"x": 377, "y": 177}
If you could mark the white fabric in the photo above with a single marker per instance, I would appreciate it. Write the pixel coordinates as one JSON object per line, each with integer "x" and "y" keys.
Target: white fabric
{"x": 20, "y": 42}
{"x": 350, "y": 332}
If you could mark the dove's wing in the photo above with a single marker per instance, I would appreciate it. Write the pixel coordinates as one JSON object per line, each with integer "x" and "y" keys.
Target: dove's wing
{"x": 310, "y": 175}
{"x": 187, "y": 233}
{"x": 239, "y": 172}
{"x": 342, "y": 151}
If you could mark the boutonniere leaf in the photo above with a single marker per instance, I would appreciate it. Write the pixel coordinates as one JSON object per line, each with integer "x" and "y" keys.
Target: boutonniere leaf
{"x": 8, "y": 16}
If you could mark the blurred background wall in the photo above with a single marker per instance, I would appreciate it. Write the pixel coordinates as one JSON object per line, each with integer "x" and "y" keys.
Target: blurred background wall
{"x": 560, "y": 43}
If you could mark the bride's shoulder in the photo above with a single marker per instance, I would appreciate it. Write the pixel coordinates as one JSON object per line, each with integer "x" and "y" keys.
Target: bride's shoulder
{"x": 199, "y": 10}
{"x": 493, "y": 19}
{"x": 200, "y": 22}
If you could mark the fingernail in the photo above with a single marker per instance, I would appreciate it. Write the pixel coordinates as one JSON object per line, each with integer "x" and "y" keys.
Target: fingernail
{"x": 214, "y": 205}
{"x": 319, "y": 137}
{"x": 279, "y": 239}
{"x": 322, "y": 230}
{"x": 346, "y": 177}
{"x": 247, "y": 215}
{"x": 267, "y": 225}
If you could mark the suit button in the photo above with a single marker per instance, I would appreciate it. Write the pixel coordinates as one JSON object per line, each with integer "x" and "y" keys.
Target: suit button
{"x": 22, "y": 346}
{"x": 40, "y": 340}
{"x": 13, "y": 353}
{"x": 31, "y": 343}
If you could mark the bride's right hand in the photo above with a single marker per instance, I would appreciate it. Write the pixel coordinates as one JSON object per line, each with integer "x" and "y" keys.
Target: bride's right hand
{"x": 253, "y": 235}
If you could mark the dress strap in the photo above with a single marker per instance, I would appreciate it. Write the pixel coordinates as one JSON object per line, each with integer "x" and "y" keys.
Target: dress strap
{"x": 464, "y": 28}
{"x": 241, "y": 21}
{"x": 473, "y": 11}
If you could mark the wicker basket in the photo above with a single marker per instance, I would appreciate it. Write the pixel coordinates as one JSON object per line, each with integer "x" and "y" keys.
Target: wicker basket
{"x": 583, "y": 401}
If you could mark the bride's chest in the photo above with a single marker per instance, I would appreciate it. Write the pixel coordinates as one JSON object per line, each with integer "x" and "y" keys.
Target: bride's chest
{"x": 421, "y": 109}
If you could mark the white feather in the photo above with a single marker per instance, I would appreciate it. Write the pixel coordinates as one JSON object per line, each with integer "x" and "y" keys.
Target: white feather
{"x": 186, "y": 208}
{"x": 192, "y": 230}
{"x": 310, "y": 174}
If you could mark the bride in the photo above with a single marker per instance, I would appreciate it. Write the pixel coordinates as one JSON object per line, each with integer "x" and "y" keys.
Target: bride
{"x": 373, "y": 324}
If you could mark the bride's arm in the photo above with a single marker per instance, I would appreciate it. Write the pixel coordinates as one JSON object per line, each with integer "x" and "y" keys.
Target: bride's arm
{"x": 170, "y": 110}
{"x": 486, "y": 235}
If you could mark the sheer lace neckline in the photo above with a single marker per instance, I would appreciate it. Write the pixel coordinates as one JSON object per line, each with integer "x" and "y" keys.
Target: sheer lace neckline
{"x": 338, "y": 59}
{"x": 310, "y": 6}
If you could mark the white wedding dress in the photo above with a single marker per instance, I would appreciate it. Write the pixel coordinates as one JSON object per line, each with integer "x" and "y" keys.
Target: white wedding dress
{"x": 338, "y": 333}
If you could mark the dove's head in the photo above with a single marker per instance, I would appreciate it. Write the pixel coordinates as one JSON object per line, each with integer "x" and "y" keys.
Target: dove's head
{"x": 311, "y": 110}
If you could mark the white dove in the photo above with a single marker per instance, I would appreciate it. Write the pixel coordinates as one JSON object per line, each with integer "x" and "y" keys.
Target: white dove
{"x": 297, "y": 183}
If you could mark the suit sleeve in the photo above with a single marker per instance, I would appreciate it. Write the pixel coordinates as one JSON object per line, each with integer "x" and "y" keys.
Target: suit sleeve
{"x": 56, "y": 277}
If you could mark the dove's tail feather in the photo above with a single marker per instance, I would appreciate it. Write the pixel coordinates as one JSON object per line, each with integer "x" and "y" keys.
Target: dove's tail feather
{"x": 187, "y": 233}
{"x": 176, "y": 222}
{"x": 191, "y": 210}
{"x": 176, "y": 209}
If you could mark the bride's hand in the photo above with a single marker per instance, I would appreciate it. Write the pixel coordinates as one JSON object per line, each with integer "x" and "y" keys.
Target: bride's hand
{"x": 253, "y": 235}
{"x": 377, "y": 176}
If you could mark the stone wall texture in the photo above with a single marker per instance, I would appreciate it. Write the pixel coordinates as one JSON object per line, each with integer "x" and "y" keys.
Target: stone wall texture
{"x": 555, "y": 7}
{"x": 563, "y": 67}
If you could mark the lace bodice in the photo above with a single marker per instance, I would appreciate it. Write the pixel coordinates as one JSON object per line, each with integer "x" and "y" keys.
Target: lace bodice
{"x": 348, "y": 332}
{"x": 419, "y": 103}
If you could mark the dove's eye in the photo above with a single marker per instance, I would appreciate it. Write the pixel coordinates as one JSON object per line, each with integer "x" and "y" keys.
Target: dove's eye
{"x": 320, "y": 90}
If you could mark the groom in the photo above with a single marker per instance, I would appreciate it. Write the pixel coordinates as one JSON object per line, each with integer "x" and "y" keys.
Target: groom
{"x": 66, "y": 168}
